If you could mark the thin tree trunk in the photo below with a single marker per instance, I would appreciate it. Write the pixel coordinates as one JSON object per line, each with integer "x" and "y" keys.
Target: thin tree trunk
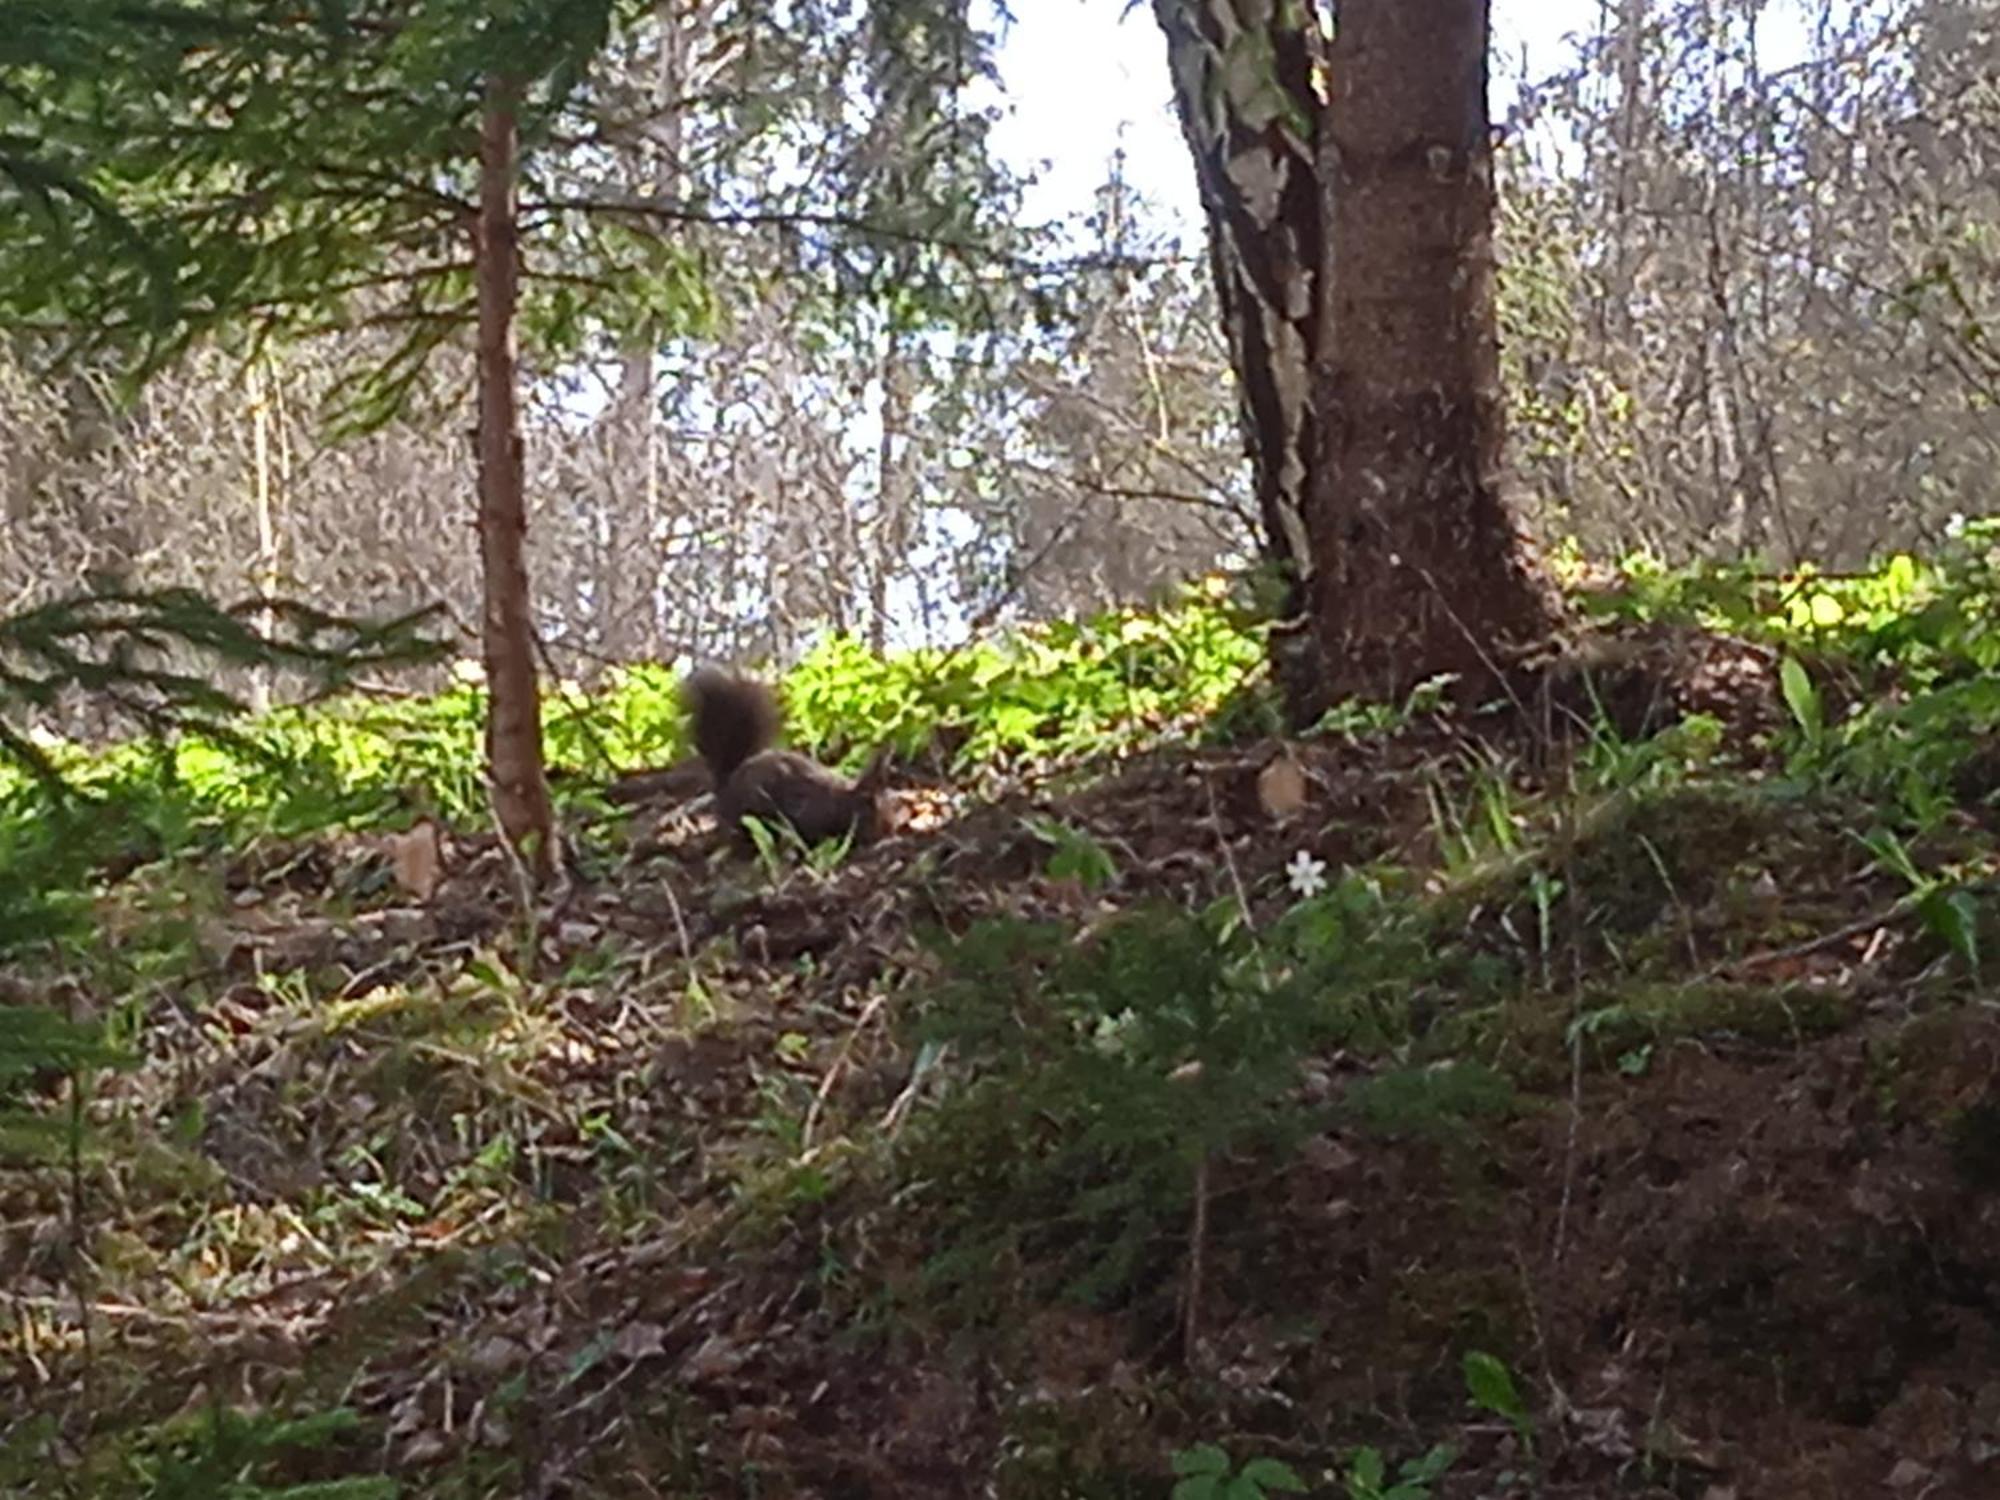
{"x": 1246, "y": 82}
{"x": 639, "y": 532}
{"x": 1620, "y": 282}
{"x": 1418, "y": 568}
{"x": 514, "y": 711}
{"x": 265, "y": 573}
{"x": 894, "y": 500}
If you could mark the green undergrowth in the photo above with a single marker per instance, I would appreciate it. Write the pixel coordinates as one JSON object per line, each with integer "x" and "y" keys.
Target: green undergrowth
{"x": 1067, "y": 1110}
{"x": 1101, "y": 1070}
{"x": 1889, "y": 672}
{"x": 1061, "y": 690}
{"x": 1109, "y": 1078}
{"x": 1923, "y": 617}
{"x": 214, "y": 1452}
{"x": 1899, "y": 656}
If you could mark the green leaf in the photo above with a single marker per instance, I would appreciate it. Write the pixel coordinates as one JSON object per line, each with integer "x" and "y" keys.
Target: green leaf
{"x": 1273, "y": 1476}
{"x": 763, "y": 839}
{"x": 1432, "y": 1465}
{"x": 1077, "y": 855}
{"x": 1894, "y": 856}
{"x": 338, "y": 1489}
{"x": 1367, "y": 1469}
{"x": 1953, "y": 917}
{"x": 1801, "y": 697}
{"x": 1492, "y": 1387}
{"x": 1203, "y": 1458}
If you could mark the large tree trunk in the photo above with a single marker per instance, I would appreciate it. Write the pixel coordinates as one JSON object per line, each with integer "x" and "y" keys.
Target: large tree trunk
{"x": 1245, "y": 81}
{"x": 514, "y": 708}
{"x": 1418, "y": 568}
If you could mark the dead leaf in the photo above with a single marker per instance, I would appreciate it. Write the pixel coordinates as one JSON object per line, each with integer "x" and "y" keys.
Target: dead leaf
{"x": 637, "y": 1341}
{"x": 1668, "y": 1441}
{"x": 424, "y": 1449}
{"x": 919, "y": 810}
{"x": 417, "y": 858}
{"x": 408, "y": 1416}
{"x": 498, "y": 1355}
{"x": 1604, "y": 1430}
{"x": 1281, "y": 788}
{"x": 1322, "y": 1153}
{"x": 715, "y": 1358}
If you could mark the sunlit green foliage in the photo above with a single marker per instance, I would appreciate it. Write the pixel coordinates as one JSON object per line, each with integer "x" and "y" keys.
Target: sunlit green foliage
{"x": 1887, "y": 674}
{"x": 1064, "y": 689}
{"x": 1931, "y": 617}
{"x": 1892, "y": 667}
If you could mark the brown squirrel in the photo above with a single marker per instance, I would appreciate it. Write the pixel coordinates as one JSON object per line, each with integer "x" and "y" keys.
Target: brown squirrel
{"x": 735, "y": 722}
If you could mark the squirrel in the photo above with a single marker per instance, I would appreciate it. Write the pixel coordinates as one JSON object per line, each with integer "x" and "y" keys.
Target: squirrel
{"x": 735, "y": 722}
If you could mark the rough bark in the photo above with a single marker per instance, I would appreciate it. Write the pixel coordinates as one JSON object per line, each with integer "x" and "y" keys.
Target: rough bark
{"x": 514, "y": 711}
{"x": 1418, "y": 566}
{"x": 1246, "y": 77}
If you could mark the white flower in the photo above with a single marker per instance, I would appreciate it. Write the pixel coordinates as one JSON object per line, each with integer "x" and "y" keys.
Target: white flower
{"x": 1306, "y": 875}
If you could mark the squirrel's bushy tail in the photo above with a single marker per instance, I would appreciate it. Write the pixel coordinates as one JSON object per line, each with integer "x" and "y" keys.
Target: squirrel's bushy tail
{"x": 733, "y": 719}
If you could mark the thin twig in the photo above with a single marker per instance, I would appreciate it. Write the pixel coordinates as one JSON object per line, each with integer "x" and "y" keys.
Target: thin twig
{"x": 1229, "y": 863}
{"x": 1574, "y": 1133}
{"x": 835, "y": 1069}
{"x": 1570, "y": 1136}
{"x": 892, "y": 1118}
{"x": 1197, "y": 1257}
{"x": 74, "y": 1259}
{"x": 1900, "y": 910}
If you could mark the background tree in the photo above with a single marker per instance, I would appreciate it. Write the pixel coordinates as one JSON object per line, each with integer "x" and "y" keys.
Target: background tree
{"x": 1746, "y": 268}
{"x": 287, "y": 164}
{"x": 1796, "y": 283}
{"x": 342, "y": 189}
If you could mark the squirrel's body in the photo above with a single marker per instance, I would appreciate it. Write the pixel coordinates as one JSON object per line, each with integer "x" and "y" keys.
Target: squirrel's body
{"x": 735, "y": 722}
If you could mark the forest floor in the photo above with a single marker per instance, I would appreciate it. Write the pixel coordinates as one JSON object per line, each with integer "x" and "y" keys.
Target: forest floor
{"x": 1650, "y": 1084}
